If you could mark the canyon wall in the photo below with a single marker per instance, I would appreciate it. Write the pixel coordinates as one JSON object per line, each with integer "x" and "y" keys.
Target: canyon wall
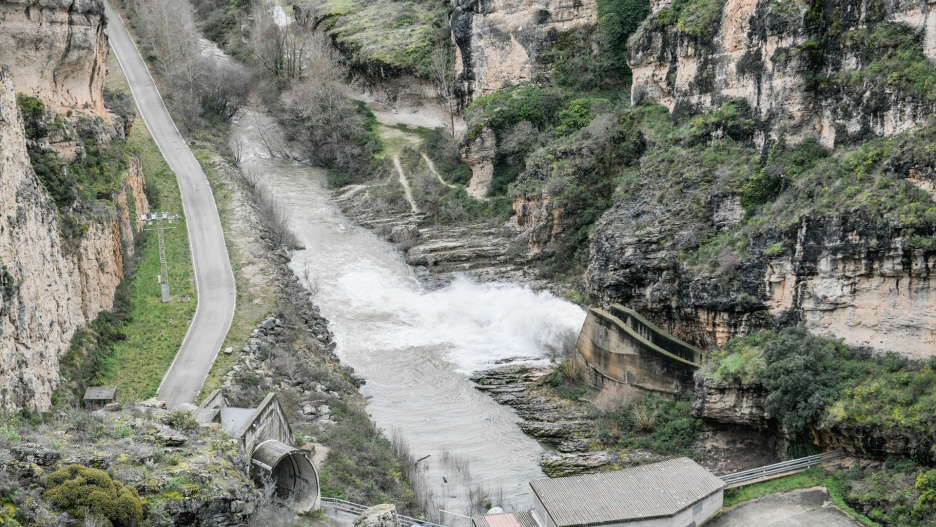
{"x": 56, "y": 51}
{"x": 828, "y": 72}
{"x": 499, "y": 41}
{"x": 48, "y": 290}
{"x": 797, "y": 64}
{"x": 858, "y": 280}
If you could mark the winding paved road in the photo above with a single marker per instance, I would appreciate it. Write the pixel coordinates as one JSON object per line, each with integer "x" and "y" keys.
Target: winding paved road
{"x": 214, "y": 278}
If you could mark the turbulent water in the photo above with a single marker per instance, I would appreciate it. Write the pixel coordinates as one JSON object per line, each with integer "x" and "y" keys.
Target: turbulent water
{"x": 415, "y": 347}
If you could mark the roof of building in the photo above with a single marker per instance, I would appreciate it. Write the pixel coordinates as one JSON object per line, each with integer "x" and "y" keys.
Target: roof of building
{"x": 508, "y": 519}
{"x": 100, "y": 393}
{"x": 648, "y": 491}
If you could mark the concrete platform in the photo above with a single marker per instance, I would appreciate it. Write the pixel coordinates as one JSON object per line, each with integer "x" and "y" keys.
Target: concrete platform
{"x": 810, "y": 507}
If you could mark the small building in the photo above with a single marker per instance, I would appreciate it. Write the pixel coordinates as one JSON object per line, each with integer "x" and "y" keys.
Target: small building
{"x": 673, "y": 493}
{"x": 507, "y": 519}
{"x": 97, "y": 396}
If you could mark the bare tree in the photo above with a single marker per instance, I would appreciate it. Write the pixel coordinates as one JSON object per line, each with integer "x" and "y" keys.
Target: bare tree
{"x": 168, "y": 30}
{"x": 276, "y": 49}
{"x": 318, "y": 112}
{"x": 442, "y": 68}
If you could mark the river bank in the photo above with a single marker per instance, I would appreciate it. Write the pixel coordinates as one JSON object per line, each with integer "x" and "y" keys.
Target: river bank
{"x": 618, "y": 427}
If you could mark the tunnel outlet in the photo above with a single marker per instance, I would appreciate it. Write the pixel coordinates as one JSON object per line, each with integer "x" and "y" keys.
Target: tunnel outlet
{"x": 290, "y": 470}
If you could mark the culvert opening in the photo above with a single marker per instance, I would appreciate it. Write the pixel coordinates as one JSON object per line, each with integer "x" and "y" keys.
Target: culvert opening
{"x": 291, "y": 471}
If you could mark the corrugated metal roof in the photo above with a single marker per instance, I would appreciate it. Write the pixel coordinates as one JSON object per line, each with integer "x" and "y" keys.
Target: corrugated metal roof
{"x": 100, "y": 393}
{"x": 647, "y": 491}
{"x": 509, "y": 519}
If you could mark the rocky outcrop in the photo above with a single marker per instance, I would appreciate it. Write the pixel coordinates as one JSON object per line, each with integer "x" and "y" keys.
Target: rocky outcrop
{"x": 858, "y": 280}
{"x": 56, "y": 50}
{"x": 743, "y": 408}
{"x": 479, "y": 153}
{"x": 383, "y": 515}
{"x": 500, "y": 41}
{"x": 804, "y": 68}
{"x": 541, "y": 221}
{"x": 48, "y": 290}
{"x": 738, "y": 404}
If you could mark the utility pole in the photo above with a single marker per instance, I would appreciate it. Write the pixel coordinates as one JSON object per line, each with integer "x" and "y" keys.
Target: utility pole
{"x": 159, "y": 222}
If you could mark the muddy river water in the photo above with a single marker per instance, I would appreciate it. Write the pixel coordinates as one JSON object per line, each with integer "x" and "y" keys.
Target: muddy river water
{"x": 416, "y": 346}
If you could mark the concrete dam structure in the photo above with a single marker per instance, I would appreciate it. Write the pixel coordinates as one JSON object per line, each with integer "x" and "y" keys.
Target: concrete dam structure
{"x": 264, "y": 433}
{"x": 618, "y": 345}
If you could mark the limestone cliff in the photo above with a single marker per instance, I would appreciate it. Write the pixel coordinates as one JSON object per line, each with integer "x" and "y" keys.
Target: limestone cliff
{"x": 56, "y": 50}
{"x": 499, "y": 41}
{"x": 689, "y": 245}
{"x": 806, "y": 69}
{"x": 47, "y": 290}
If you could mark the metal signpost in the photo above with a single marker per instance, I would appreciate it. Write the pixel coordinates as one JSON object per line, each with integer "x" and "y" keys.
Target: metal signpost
{"x": 159, "y": 222}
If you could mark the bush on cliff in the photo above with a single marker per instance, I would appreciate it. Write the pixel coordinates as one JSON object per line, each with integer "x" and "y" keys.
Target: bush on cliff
{"x": 799, "y": 375}
{"x": 88, "y": 492}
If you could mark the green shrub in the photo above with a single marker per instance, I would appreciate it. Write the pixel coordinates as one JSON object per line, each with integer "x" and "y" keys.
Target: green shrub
{"x": 182, "y": 420}
{"x": 799, "y": 375}
{"x": 446, "y": 158}
{"x": 81, "y": 491}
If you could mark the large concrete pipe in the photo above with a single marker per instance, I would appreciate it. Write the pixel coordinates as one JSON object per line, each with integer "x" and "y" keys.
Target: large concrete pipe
{"x": 292, "y": 472}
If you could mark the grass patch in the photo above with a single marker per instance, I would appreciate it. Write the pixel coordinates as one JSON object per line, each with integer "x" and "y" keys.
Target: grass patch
{"x": 387, "y": 34}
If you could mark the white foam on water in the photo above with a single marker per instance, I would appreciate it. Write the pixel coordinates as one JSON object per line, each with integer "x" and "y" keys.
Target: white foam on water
{"x": 478, "y": 324}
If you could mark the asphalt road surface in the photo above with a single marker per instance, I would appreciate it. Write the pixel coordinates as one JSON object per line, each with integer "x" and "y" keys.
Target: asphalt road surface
{"x": 214, "y": 277}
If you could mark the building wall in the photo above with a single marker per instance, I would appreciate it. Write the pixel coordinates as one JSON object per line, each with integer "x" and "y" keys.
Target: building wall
{"x": 684, "y": 518}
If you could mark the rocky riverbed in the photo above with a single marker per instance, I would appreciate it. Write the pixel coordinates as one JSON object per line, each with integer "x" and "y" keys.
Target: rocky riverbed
{"x": 563, "y": 424}
{"x": 569, "y": 427}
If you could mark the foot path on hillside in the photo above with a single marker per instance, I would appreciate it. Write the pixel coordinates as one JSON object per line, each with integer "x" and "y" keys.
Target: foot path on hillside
{"x": 213, "y": 275}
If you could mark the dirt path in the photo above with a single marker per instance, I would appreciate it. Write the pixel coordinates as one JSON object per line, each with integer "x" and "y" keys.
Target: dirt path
{"x": 405, "y": 183}
{"x": 432, "y": 169}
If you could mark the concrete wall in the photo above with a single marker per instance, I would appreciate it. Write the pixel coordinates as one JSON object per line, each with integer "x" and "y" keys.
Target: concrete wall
{"x": 684, "y": 518}
{"x": 655, "y": 335}
{"x": 268, "y": 422}
{"x": 611, "y": 350}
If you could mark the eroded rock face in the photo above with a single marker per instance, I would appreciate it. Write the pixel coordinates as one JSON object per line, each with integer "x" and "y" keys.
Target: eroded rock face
{"x": 779, "y": 58}
{"x": 46, "y": 290}
{"x": 854, "y": 279}
{"x": 56, "y": 50}
{"x": 499, "y": 41}
{"x": 540, "y": 220}
{"x": 479, "y": 153}
{"x": 737, "y": 404}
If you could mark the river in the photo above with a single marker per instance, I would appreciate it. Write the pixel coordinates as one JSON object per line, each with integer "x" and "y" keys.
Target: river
{"x": 414, "y": 345}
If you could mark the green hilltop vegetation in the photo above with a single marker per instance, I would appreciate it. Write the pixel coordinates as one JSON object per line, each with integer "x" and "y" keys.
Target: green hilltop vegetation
{"x": 386, "y": 37}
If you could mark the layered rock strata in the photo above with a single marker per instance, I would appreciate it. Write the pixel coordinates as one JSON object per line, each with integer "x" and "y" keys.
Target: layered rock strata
{"x": 56, "y": 51}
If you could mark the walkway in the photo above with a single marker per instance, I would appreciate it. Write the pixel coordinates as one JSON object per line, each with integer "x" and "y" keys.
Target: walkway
{"x": 214, "y": 278}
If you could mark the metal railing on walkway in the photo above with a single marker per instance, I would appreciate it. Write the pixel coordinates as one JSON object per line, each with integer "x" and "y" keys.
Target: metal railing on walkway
{"x": 357, "y": 509}
{"x": 784, "y": 467}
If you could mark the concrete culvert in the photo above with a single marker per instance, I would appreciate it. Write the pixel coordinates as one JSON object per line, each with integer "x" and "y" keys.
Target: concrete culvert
{"x": 293, "y": 474}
